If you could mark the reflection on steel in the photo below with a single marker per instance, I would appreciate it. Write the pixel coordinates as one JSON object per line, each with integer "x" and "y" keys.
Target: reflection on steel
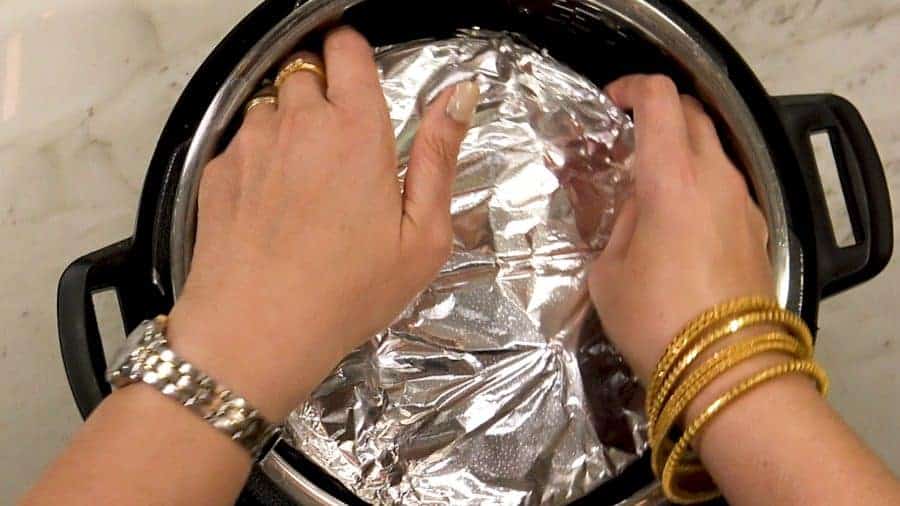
{"x": 640, "y": 15}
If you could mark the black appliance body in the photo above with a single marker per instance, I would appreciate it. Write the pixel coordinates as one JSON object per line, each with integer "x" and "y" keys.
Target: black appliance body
{"x": 138, "y": 267}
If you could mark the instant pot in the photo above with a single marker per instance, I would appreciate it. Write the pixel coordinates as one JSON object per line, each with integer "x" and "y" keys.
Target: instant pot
{"x": 769, "y": 137}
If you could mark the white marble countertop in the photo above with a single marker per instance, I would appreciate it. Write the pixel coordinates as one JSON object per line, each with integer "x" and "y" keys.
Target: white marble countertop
{"x": 86, "y": 86}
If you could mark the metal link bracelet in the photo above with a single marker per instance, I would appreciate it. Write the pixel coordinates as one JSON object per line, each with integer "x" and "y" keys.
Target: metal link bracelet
{"x": 147, "y": 358}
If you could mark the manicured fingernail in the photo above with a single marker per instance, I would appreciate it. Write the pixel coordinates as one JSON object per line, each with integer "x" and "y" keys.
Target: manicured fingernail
{"x": 464, "y": 102}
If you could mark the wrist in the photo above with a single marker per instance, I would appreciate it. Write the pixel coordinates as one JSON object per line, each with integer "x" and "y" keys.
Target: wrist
{"x": 141, "y": 402}
{"x": 249, "y": 359}
{"x": 737, "y": 374}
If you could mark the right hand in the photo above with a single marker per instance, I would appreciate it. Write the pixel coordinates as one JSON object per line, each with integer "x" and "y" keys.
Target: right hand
{"x": 690, "y": 238}
{"x": 306, "y": 246}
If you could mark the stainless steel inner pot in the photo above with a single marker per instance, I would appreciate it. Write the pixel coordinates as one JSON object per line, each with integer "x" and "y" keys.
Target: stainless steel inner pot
{"x": 711, "y": 81}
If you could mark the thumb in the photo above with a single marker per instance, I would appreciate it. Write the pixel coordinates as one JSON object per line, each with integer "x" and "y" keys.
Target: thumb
{"x": 616, "y": 249}
{"x": 433, "y": 158}
{"x": 623, "y": 230}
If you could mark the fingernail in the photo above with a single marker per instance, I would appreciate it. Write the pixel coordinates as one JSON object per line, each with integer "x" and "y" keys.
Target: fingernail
{"x": 464, "y": 102}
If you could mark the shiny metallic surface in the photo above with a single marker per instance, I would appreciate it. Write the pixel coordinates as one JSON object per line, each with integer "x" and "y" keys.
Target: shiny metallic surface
{"x": 716, "y": 89}
{"x": 228, "y": 102}
{"x": 296, "y": 486}
{"x": 644, "y": 16}
{"x": 657, "y": 25}
{"x": 145, "y": 357}
{"x": 475, "y": 395}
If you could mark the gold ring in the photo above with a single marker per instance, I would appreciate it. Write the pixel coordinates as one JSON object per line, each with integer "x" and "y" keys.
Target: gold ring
{"x": 264, "y": 99}
{"x": 298, "y": 65}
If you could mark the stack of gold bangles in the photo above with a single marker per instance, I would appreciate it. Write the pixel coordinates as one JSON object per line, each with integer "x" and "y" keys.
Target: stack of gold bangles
{"x": 672, "y": 388}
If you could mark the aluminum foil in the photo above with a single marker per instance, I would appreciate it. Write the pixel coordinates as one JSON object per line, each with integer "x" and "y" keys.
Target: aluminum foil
{"x": 496, "y": 385}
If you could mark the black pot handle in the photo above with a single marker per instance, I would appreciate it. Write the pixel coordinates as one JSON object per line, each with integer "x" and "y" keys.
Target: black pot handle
{"x": 79, "y": 335}
{"x": 862, "y": 178}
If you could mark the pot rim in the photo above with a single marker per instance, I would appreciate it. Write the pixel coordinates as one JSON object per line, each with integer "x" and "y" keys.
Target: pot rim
{"x": 657, "y": 26}
{"x": 654, "y": 23}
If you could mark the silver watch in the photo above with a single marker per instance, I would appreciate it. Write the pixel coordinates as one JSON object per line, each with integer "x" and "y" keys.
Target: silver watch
{"x": 146, "y": 357}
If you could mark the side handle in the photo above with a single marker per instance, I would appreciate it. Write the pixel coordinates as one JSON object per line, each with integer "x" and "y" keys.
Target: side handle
{"x": 864, "y": 185}
{"x": 79, "y": 335}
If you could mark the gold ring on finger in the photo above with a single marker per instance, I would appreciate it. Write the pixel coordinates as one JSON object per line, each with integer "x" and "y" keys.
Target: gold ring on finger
{"x": 260, "y": 100}
{"x": 298, "y": 65}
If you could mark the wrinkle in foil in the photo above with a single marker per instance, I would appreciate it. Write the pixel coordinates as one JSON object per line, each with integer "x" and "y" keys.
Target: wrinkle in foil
{"x": 496, "y": 385}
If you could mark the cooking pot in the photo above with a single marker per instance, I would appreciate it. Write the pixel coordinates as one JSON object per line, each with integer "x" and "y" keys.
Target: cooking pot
{"x": 769, "y": 137}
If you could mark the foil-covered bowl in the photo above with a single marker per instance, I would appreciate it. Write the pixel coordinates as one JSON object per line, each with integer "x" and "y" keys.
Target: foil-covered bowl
{"x": 496, "y": 385}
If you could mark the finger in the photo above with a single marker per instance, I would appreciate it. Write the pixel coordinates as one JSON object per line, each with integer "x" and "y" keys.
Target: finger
{"x": 622, "y": 231}
{"x": 218, "y": 192}
{"x": 758, "y": 222}
{"x": 700, "y": 127}
{"x": 433, "y": 159}
{"x": 262, "y": 112}
{"x": 251, "y": 144}
{"x": 353, "y": 78}
{"x": 589, "y": 204}
{"x": 302, "y": 89}
{"x": 660, "y": 127}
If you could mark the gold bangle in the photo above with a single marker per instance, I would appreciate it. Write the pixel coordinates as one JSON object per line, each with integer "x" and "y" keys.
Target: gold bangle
{"x": 793, "y": 323}
{"x": 720, "y": 362}
{"x": 697, "y": 325}
{"x": 682, "y": 496}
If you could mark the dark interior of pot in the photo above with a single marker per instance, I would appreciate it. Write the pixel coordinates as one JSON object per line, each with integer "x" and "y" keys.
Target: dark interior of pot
{"x": 597, "y": 47}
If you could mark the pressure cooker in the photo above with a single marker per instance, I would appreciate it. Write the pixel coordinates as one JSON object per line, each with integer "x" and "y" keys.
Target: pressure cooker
{"x": 768, "y": 137}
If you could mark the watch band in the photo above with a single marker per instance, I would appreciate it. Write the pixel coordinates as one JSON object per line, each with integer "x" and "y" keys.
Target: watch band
{"x": 151, "y": 361}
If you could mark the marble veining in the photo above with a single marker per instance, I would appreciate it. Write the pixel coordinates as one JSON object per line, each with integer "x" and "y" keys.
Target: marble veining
{"x": 86, "y": 86}
{"x": 850, "y": 49}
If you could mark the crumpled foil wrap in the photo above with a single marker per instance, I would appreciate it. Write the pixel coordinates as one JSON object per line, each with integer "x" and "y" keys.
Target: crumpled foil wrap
{"x": 496, "y": 386}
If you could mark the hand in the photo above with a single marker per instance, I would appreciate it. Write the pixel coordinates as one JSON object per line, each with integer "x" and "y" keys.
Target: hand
{"x": 690, "y": 238}
{"x": 305, "y": 244}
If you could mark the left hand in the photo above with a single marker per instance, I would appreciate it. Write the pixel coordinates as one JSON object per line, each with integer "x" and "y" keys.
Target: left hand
{"x": 305, "y": 245}
{"x": 689, "y": 238}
